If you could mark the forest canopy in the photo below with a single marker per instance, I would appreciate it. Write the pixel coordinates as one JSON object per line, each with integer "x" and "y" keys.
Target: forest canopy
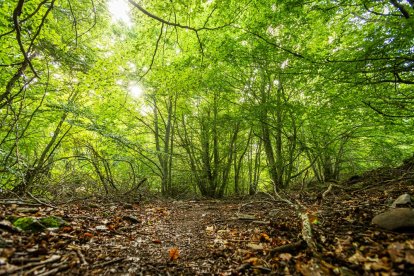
{"x": 204, "y": 97}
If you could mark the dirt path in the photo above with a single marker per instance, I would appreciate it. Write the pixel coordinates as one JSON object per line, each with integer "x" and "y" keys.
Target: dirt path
{"x": 206, "y": 234}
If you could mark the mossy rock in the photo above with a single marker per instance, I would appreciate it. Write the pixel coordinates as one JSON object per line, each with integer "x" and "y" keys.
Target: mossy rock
{"x": 52, "y": 222}
{"x": 31, "y": 224}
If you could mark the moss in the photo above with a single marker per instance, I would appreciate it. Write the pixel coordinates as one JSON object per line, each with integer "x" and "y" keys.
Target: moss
{"x": 29, "y": 224}
{"x": 37, "y": 225}
{"x": 52, "y": 222}
{"x": 12, "y": 218}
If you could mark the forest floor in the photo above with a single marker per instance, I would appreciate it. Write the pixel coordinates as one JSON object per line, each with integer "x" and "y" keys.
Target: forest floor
{"x": 250, "y": 236}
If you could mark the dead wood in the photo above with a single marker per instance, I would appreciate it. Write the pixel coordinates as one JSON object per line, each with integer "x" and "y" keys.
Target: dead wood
{"x": 51, "y": 259}
{"x": 306, "y": 225}
{"x": 288, "y": 248}
{"x": 41, "y": 202}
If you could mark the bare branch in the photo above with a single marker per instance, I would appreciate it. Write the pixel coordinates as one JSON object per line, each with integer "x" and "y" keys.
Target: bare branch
{"x": 16, "y": 13}
{"x": 155, "y": 52}
{"x": 385, "y": 114}
{"x": 75, "y": 23}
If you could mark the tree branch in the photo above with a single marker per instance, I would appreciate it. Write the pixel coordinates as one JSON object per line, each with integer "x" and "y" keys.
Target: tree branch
{"x": 385, "y": 114}
{"x": 155, "y": 52}
{"x": 16, "y": 13}
{"x": 401, "y": 8}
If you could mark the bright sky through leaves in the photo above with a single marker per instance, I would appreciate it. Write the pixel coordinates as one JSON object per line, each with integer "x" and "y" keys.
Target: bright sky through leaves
{"x": 135, "y": 90}
{"x": 120, "y": 11}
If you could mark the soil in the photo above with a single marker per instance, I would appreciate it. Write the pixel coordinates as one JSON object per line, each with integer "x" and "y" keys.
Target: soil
{"x": 249, "y": 236}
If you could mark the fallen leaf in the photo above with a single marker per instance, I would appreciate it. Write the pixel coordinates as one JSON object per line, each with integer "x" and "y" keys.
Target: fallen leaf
{"x": 255, "y": 246}
{"x": 395, "y": 250}
{"x": 101, "y": 227}
{"x": 285, "y": 256}
{"x": 67, "y": 228}
{"x": 357, "y": 258}
{"x": 264, "y": 238}
{"x": 174, "y": 253}
{"x": 210, "y": 230}
{"x": 7, "y": 252}
{"x": 252, "y": 261}
{"x": 309, "y": 269}
{"x": 313, "y": 219}
{"x": 409, "y": 257}
{"x": 87, "y": 235}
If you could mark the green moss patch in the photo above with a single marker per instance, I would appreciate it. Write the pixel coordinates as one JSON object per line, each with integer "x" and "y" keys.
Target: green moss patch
{"x": 52, "y": 222}
{"x": 31, "y": 224}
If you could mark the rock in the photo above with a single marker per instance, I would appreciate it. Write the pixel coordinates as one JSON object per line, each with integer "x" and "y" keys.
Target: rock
{"x": 52, "y": 222}
{"x": 402, "y": 201}
{"x": 396, "y": 219}
{"x": 31, "y": 224}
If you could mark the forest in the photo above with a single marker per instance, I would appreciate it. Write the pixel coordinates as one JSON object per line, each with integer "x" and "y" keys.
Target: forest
{"x": 137, "y": 118}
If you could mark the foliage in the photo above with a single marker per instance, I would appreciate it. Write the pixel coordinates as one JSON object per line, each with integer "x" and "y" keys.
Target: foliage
{"x": 235, "y": 95}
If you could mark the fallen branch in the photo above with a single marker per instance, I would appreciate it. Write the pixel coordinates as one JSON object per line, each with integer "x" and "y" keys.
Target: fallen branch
{"x": 288, "y": 248}
{"x": 41, "y": 202}
{"x": 81, "y": 257}
{"x": 327, "y": 191}
{"x": 306, "y": 225}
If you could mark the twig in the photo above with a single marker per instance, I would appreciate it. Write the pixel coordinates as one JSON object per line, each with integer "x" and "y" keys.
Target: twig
{"x": 288, "y": 248}
{"x": 41, "y": 202}
{"x": 82, "y": 257}
{"x": 109, "y": 262}
{"x": 52, "y": 259}
{"x": 61, "y": 267}
{"x": 324, "y": 194}
{"x": 306, "y": 225}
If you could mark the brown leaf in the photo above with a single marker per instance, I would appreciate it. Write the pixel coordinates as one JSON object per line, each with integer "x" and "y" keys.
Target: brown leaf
{"x": 409, "y": 257}
{"x": 264, "y": 238}
{"x": 285, "y": 256}
{"x": 174, "y": 253}
{"x": 255, "y": 246}
{"x": 7, "y": 252}
{"x": 67, "y": 229}
{"x": 252, "y": 261}
{"x": 357, "y": 258}
{"x": 309, "y": 269}
{"x": 88, "y": 235}
{"x": 396, "y": 250}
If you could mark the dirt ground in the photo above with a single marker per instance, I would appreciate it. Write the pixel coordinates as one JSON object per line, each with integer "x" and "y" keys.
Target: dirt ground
{"x": 250, "y": 236}
{"x": 244, "y": 236}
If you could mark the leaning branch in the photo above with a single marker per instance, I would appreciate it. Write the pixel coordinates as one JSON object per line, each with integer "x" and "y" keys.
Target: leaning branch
{"x": 174, "y": 24}
{"x": 306, "y": 224}
{"x": 155, "y": 52}
{"x": 178, "y": 25}
{"x": 16, "y": 13}
{"x": 385, "y": 114}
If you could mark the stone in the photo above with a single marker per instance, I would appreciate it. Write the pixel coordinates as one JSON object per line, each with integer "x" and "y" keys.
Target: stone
{"x": 402, "y": 201}
{"x": 401, "y": 219}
